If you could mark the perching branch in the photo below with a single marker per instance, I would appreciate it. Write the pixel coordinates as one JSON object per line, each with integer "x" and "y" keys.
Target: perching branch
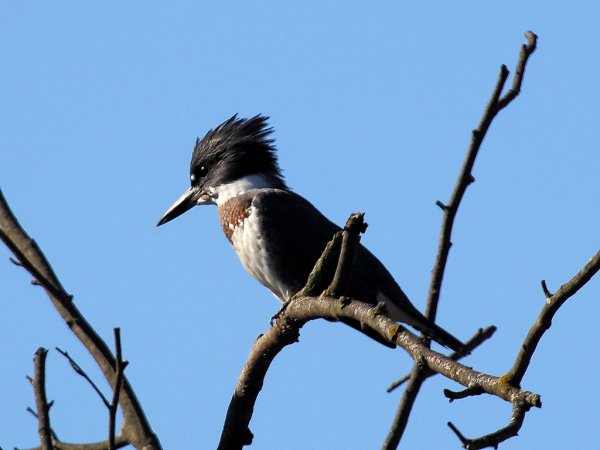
{"x": 300, "y": 310}
{"x": 496, "y": 103}
{"x": 236, "y": 432}
{"x": 136, "y": 428}
{"x": 478, "y": 338}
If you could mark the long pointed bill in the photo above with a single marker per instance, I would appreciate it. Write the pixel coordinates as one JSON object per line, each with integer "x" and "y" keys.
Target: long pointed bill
{"x": 184, "y": 203}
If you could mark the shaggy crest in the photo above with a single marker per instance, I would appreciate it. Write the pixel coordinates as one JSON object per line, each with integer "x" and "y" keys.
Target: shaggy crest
{"x": 236, "y": 148}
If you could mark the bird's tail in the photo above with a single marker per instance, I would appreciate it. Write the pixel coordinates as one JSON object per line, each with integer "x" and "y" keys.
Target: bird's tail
{"x": 437, "y": 333}
{"x": 428, "y": 328}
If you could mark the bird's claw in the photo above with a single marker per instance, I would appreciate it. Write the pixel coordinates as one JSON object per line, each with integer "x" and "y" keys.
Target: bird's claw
{"x": 380, "y": 310}
{"x": 278, "y": 314}
{"x": 345, "y": 301}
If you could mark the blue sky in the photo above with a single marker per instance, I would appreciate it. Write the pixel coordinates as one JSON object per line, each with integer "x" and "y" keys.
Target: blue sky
{"x": 372, "y": 109}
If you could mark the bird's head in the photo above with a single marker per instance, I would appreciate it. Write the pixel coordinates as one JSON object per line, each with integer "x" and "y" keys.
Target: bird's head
{"x": 229, "y": 160}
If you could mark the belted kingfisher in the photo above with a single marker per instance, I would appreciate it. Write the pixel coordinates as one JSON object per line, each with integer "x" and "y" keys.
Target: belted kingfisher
{"x": 277, "y": 234}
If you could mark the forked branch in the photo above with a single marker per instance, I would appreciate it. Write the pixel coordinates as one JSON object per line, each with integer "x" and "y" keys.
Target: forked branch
{"x": 544, "y": 320}
{"x": 496, "y": 103}
{"x": 286, "y": 330}
{"x": 136, "y": 428}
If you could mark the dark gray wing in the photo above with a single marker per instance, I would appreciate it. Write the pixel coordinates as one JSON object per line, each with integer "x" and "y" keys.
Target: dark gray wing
{"x": 295, "y": 227}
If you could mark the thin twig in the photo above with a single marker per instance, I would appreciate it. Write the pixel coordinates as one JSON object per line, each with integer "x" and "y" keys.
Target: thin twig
{"x": 396, "y": 384}
{"x": 526, "y": 51}
{"x": 471, "y": 391}
{"x": 407, "y": 401}
{"x": 79, "y": 371}
{"x": 355, "y": 225}
{"x": 493, "y": 439}
{"x": 547, "y": 292}
{"x": 324, "y": 270}
{"x": 34, "y": 414}
{"x": 39, "y": 277}
{"x": 119, "y": 370}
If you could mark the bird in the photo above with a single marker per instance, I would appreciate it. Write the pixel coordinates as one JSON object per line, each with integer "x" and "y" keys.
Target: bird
{"x": 277, "y": 234}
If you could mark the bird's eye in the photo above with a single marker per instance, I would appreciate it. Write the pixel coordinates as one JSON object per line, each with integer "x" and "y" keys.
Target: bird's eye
{"x": 198, "y": 174}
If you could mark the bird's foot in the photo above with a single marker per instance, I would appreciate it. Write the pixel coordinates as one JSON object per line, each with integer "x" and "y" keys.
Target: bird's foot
{"x": 345, "y": 301}
{"x": 278, "y": 314}
{"x": 380, "y": 310}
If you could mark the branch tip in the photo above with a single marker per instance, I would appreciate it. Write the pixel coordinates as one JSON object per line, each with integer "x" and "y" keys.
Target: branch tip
{"x": 458, "y": 434}
{"x": 547, "y": 293}
{"x": 355, "y": 226}
{"x": 15, "y": 262}
{"x": 531, "y": 40}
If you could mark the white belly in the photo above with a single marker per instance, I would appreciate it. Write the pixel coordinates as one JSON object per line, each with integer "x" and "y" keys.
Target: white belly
{"x": 255, "y": 258}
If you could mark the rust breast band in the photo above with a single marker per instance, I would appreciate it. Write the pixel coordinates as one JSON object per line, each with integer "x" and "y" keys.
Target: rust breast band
{"x": 233, "y": 212}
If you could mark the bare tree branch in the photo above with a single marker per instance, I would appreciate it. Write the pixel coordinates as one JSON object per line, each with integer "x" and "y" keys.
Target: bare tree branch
{"x": 544, "y": 320}
{"x": 479, "y": 338}
{"x": 120, "y": 442}
{"x": 136, "y": 428}
{"x": 236, "y": 432}
{"x": 465, "y": 178}
{"x": 494, "y": 106}
{"x": 493, "y": 439}
{"x": 407, "y": 401}
{"x": 41, "y": 404}
{"x": 350, "y": 241}
{"x": 515, "y": 375}
{"x": 324, "y": 270}
{"x": 114, "y": 405}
